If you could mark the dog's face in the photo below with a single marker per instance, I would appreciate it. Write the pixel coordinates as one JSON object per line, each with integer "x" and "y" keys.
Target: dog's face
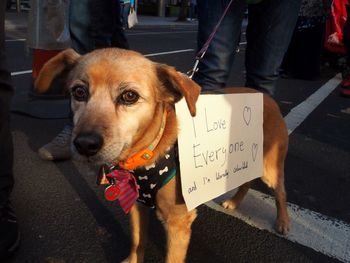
{"x": 114, "y": 101}
{"x": 116, "y": 97}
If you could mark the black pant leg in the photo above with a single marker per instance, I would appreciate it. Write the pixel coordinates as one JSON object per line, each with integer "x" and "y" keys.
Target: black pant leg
{"x": 6, "y": 146}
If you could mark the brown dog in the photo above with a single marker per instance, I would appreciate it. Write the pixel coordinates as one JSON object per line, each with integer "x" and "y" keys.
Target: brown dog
{"x": 119, "y": 100}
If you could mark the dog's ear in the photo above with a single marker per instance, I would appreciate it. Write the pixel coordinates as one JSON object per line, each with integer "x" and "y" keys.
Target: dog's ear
{"x": 56, "y": 65}
{"x": 178, "y": 85}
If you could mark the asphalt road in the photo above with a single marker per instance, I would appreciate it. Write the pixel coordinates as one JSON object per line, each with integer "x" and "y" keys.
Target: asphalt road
{"x": 64, "y": 217}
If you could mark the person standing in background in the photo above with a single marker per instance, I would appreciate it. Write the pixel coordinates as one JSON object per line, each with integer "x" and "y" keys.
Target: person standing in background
{"x": 270, "y": 27}
{"x": 192, "y": 10}
{"x": 93, "y": 24}
{"x": 9, "y": 231}
{"x": 126, "y": 6}
{"x": 303, "y": 58}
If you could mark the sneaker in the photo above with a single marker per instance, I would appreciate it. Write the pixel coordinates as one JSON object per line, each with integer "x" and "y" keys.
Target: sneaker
{"x": 345, "y": 84}
{"x": 9, "y": 232}
{"x": 59, "y": 147}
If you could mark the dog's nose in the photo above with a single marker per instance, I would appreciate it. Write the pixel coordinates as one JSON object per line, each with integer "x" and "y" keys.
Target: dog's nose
{"x": 88, "y": 143}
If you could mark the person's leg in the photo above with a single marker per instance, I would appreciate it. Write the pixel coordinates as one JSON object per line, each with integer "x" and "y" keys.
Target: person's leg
{"x": 118, "y": 36}
{"x": 92, "y": 24}
{"x": 80, "y": 26}
{"x": 126, "y": 11}
{"x": 191, "y": 11}
{"x": 289, "y": 60}
{"x": 308, "y": 53}
{"x": 9, "y": 234}
{"x": 6, "y": 149}
{"x": 81, "y": 37}
{"x": 102, "y": 22}
{"x": 214, "y": 68}
{"x": 96, "y": 24}
{"x": 270, "y": 27}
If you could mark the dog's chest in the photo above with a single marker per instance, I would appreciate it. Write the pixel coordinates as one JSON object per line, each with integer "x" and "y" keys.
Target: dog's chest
{"x": 151, "y": 178}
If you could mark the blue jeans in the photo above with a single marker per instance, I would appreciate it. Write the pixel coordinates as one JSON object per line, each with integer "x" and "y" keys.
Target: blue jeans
{"x": 96, "y": 24}
{"x": 270, "y": 27}
{"x": 124, "y": 13}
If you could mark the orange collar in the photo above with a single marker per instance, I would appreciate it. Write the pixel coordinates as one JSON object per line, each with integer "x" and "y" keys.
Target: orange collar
{"x": 141, "y": 157}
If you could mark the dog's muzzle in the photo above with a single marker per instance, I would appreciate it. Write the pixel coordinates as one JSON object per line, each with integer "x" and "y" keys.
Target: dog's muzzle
{"x": 88, "y": 143}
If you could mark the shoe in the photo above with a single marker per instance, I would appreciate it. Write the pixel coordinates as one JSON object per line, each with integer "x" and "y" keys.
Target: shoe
{"x": 59, "y": 147}
{"x": 9, "y": 232}
{"x": 345, "y": 84}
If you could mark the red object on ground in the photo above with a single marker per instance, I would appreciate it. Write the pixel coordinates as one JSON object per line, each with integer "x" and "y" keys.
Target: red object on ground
{"x": 40, "y": 57}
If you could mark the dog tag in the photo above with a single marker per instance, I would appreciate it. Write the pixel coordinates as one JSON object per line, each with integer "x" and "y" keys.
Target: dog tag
{"x": 112, "y": 192}
{"x": 101, "y": 177}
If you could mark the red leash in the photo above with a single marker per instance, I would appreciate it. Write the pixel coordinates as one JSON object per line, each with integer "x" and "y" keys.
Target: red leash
{"x": 205, "y": 47}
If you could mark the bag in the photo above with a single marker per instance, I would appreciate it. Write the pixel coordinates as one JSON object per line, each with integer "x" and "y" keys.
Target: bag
{"x": 132, "y": 18}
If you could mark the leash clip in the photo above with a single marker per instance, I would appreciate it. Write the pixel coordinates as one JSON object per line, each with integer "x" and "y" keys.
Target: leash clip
{"x": 191, "y": 72}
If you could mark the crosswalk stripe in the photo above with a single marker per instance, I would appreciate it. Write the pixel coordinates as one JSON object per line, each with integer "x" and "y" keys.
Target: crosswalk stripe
{"x": 299, "y": 113}
{"x": 326, "y": 235}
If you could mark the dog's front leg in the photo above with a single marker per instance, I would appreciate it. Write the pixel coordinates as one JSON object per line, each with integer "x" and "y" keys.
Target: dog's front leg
{"x": 139, "y": 229}
{"x": 177, "y": 224}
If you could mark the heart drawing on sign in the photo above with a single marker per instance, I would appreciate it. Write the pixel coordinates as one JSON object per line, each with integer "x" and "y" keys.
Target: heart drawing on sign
{"x": 254, "y": 150}
{"x": 247, "y": 114}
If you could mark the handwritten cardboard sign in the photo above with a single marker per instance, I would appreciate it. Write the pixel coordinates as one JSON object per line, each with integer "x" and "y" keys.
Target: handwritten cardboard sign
{"x": 222, "y": 147}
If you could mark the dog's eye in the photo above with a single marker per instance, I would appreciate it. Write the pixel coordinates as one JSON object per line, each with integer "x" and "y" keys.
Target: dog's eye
{"x": 128, "y": 97}
{"x": 80, "y": 93}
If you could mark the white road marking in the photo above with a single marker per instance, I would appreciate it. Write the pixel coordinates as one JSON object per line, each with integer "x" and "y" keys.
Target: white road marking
{"x": 147, "y": 55}
{"x": 160, "y": 33}
{"x": 21, "y": 72}
{"x": 299, "y": 113}
{"x": 321, "y": 233}
{"x": 326, "y": 235}
{"x": 169, "y": 52}
{"x": 16, "y": 40}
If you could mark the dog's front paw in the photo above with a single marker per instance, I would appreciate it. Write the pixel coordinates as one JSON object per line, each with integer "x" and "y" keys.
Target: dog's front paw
{"x": 282, "y": 226}
{"x": 127, "y": 260}
{"x": 133, "y": 259}
{"x": 229, "y": 204}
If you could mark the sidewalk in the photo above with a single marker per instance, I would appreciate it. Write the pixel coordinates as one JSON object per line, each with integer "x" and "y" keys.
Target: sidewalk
{"x": 18, "y": 21}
